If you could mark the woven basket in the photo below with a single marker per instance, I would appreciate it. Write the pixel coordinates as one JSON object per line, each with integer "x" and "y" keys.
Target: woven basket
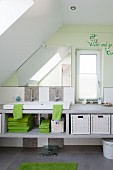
{"x": 80, "y": 124}
{"x": 100, "y": 124}
{"x": 57, "y": 126}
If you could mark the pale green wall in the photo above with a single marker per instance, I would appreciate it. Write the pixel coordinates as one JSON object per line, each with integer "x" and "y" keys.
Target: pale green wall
{"x": 77, "y": 37}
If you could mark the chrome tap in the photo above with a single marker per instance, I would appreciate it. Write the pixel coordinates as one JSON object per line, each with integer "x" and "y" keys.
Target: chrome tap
{"x": 31, "y": 94}
{"x": 57, "y": 98}
{"x": 32, "y": 97}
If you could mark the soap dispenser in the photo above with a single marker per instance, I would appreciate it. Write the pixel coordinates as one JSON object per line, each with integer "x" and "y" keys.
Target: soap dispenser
{"x": 99, "y": 100}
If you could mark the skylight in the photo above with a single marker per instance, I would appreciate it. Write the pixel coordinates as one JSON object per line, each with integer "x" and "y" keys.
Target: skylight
{"x": 47, "y": 67}
{"x": 11, "y": 10}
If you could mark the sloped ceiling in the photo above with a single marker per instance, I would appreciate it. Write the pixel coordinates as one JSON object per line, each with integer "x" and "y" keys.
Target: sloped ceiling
{"x": 14, "y": 8}
{"x": 40, "y": 22}
{"x": 27, "y": 34}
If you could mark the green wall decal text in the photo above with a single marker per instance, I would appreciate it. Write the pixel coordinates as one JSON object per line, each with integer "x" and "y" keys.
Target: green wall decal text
{"x": 94, "y": 42}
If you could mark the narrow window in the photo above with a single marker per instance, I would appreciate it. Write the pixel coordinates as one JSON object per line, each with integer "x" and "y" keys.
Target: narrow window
{"x": 88, "y": 75}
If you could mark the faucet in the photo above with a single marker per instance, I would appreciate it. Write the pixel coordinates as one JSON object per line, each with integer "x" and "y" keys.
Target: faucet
{"x": 57, "y": 99}
{"x": 32, "y": 98}
{"x": 56, "y": 95}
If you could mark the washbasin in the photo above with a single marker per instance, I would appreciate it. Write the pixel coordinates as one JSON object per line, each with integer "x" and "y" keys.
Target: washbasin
{"x": 38, "y": 105}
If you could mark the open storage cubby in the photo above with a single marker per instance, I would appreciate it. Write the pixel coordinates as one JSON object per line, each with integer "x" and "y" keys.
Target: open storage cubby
{"x": 34, "y": 132}
{"x": 80, "y": 117}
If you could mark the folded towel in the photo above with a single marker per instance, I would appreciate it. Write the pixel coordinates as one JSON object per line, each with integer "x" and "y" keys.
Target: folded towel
{"x": 45, "y": 126}
{"x": 17, "y": 124}
{"x": 20, "y": 129}
{"x": 57, "y": 112}
{"x": 42, "y": 126}
{"x": 17, "y": 111}
{"x": 44, "y": 130}
{"x": 25, "y": 118}
{"x": 45, "y": 123}
{"x": 16, "y": 131}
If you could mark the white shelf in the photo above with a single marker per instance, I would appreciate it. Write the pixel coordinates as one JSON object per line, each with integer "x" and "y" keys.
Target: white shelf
{"x": 34, "y": 133}
{"x": 76, "y": 109}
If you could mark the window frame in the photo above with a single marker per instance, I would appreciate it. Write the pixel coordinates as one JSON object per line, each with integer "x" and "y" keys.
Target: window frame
{"x": 98, "y": 71}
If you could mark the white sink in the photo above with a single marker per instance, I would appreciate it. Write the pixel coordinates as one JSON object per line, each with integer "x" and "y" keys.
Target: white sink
{"x": 37, "y": 105}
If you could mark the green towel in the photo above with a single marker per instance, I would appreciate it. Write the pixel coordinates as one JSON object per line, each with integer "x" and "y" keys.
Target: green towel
{"x": 44, "y": 130}
{"x": 17, "y": 124}
{"x": 17, "y": 111}
{"x": 44, "y": 126}
{"x": 20, "y": 129}
{"x": 45, "y": 123}
{"x": 25, "y": 118}
{"x": 57, "y": 112}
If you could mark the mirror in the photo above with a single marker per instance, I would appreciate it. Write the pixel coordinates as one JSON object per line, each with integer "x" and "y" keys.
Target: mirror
{"x": 47, "y": 66}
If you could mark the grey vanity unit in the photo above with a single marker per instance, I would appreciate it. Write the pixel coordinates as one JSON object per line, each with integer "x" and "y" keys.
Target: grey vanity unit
{"x": 81, "y": 121}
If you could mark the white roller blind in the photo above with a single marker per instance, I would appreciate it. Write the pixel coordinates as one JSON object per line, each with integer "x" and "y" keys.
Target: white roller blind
{"x": 88, "y": 74}
{"x": 88, "y": 84}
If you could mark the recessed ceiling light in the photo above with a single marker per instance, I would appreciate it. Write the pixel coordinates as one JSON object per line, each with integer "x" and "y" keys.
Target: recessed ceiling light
{"x": 73, "y": 7}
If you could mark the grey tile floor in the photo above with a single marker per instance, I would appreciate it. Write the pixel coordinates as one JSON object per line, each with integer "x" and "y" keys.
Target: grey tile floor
{"x": 88, "y": 157}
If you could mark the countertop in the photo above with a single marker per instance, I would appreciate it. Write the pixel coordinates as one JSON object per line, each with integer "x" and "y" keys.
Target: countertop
{"x": 77, "y": 108}
{"x": 90, "y": 108}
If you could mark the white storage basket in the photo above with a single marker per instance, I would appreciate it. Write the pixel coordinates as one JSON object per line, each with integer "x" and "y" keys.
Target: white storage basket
{"x": 111, "y": 124}
{"x": 100, "y": 124}
{"x": 108, "y": 148}
{"x": 80, "y": 124}
{"x": 57, "y": 126}
{"x": 0, "y": 123}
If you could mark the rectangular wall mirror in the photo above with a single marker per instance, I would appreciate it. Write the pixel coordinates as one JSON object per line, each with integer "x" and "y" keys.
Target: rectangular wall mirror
{"x": 47, "y": 66}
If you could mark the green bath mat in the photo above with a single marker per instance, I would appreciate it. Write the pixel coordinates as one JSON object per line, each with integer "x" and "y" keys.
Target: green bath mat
{"x": 48, "y": 166}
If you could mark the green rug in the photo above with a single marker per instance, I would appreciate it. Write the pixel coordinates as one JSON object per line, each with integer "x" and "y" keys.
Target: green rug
{"x": 48, "y": 166}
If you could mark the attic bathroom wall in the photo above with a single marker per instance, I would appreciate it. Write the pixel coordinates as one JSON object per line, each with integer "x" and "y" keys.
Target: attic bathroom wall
{"x": 78, "y": 37}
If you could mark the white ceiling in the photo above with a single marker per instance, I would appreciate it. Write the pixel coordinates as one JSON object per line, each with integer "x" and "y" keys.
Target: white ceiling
{"x": 41, "y": 21}
{"x": 88, "y": 12}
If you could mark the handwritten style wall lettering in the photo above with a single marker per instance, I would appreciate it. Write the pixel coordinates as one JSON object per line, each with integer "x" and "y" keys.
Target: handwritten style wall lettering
{"x": 94, "y": 42}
